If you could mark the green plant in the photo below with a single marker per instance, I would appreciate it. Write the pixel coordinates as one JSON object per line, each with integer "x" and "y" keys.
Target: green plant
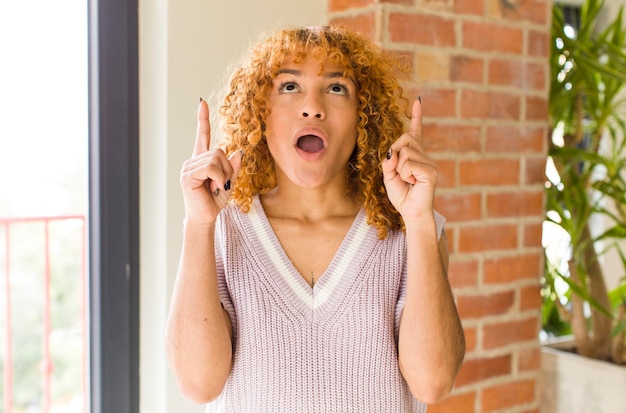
{"x": 587, "y": 148}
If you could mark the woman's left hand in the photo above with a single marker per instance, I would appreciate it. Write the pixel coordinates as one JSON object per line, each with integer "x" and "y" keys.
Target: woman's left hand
{"x": 409, "y": 174}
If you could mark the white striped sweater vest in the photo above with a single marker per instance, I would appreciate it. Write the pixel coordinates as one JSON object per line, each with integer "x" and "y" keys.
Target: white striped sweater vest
{"x": 330, "y": 348}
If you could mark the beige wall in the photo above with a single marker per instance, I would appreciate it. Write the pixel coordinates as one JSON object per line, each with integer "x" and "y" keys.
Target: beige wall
{"x": 185, "y": 48}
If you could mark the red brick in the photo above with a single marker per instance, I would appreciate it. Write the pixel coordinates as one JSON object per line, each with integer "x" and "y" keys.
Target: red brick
{"x": 505, "y": 106}
{"x": 422, "y": 29}
{"x": 434, "y": 66}
{"x": 475, "y": 104}
{"x": 489, "y": 37}
{"x": 489, "y": 172}
{"x": 439, "y": 103}
{"x": 467, "y": 68}
{"x": 508, "y": 395}
{"x": 508, "y": 139}
{"x": 509, "y": 72}
{"x": 514, "y": 72}
{"x": 478, "y": 306}
{"x": 340, "y": 5}
{"x": 451, "y": 236}
{"x": 457, "y": 403}
{"x": 536, "y": 108}
{"x": 538, "y": 43}
{"x": 533, "y": 234}
{"x": 459, "y": 207}
{"x": 530, "y": 298}
{"x": 476, "y": 370}
{"x": 535, "y": 169}
{"x": 521, "y": 203}
{"x": 439, "y": 137}
{"x": 510, "y": 332}
{"x": 487, "y": 238}
{"x": 463, "y": 273}
{"x": 480, "y": 104}
{"x": 510, "y": 269}
{"x": 476, "y": 8}
{"x": 529, "y": 359}
{"x": 363, "y": 23}
{"x": 447, "y": 173}
{"x": 536, "y": 76}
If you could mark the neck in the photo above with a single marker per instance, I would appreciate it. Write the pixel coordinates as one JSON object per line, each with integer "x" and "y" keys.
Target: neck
{"x": 308, "y": 204}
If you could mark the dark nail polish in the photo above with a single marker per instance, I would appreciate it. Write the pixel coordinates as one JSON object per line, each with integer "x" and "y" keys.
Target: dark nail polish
{"x": 419, "y": 98}
{"x": 227, "y": 185}
{"x": 200, "y": 101}
{"x": 389, "y": 154}
{"x": 216, "y": 192}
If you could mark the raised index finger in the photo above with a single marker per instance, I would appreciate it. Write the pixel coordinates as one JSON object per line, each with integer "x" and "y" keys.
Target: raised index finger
{"x": 415, "y": 125}
{"x": 203, "y": 132}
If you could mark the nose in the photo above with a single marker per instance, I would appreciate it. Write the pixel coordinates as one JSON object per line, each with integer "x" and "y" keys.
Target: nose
{"x": 313, "y": 107}
{"x": 306, "y": 115}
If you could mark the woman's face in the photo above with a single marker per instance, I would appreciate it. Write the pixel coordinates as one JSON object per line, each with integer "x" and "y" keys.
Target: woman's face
{"x": 311, "y": 126}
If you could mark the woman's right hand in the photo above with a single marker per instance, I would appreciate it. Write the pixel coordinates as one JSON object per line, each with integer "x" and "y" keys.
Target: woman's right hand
{"x": 206, "y": 178}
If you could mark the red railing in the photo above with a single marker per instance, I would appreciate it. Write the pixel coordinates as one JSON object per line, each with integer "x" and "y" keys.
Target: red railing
{"x": 76, "y": 229}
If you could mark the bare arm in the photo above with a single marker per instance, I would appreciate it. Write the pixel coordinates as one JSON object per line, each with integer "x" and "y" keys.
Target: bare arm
{"x": 431, "y": 342}
{"x": 199, "y": 331}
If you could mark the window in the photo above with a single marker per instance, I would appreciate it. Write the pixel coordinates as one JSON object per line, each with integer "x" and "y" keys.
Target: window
{"x": 114, "y": 205}
{"x": 43, "y": 206}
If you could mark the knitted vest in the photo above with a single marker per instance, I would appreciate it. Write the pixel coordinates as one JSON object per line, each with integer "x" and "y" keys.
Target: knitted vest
{"x": 330, "y": 348}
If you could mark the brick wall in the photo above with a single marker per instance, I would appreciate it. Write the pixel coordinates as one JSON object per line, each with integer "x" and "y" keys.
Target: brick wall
{"x": 481, "y": 68}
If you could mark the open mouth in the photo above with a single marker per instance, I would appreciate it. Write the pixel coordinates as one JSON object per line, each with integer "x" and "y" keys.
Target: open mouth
{"x": 310, "y": 143}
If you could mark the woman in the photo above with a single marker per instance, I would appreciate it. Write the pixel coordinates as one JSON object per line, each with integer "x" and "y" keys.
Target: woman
{"x": 313, "y": 268}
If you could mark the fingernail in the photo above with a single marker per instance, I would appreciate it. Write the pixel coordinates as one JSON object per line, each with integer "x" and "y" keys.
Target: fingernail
{"x": 216, "y": 192}
{"x": 200, "y": 101}
{"x": 419, "y": 98}
{"x": 227, "y": 185}
{"x": 241, "y": 152}
{"x": 389, "y": 154}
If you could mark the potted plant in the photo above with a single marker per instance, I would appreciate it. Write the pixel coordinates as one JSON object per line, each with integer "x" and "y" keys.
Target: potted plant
{"x": 587, "y": 152}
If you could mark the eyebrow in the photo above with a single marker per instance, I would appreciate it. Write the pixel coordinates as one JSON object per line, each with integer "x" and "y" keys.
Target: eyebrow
{"x": 296, "y": 72}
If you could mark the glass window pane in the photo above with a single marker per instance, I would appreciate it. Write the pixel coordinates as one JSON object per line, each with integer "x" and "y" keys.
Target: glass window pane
{"x": 43, "y": 203}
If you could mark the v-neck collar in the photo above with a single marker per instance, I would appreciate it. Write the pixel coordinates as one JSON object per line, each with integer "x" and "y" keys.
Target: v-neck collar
{"x": 341, "y": 271}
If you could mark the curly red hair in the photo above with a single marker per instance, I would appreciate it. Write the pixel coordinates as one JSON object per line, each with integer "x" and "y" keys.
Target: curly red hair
{"x": 381, "y": 110}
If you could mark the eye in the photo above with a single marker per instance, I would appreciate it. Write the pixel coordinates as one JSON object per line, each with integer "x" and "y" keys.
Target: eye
{"x": 338, "y": 89}
{"x": 288, "y": 87}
